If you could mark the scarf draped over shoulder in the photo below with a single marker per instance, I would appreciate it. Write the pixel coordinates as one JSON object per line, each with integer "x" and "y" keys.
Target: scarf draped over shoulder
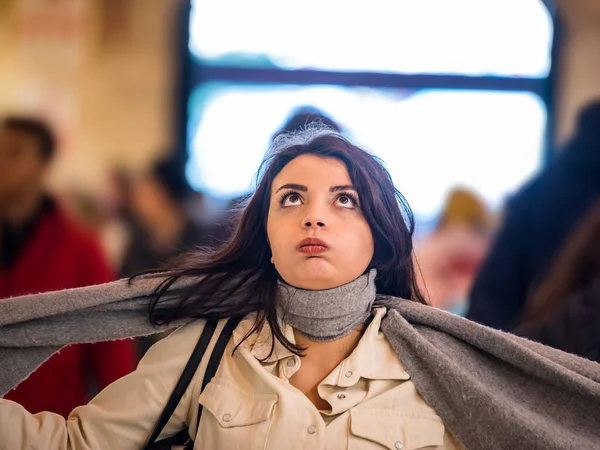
{"x": 491, "y": 389}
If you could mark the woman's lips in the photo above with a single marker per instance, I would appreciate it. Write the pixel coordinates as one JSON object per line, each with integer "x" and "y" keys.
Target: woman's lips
{"x": 313, "y": 249}
{"x": 312, "y": 246}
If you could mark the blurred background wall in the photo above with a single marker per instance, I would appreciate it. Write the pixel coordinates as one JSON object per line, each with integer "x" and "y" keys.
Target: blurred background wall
{"x": 105, "y": 70}
{"x": 102, "y": 71}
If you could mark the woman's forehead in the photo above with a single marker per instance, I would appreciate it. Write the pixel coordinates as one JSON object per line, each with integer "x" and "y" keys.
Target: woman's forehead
{"x": 313, "y": 171}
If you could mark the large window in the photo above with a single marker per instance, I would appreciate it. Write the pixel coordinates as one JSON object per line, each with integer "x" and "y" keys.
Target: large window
{"x": 466, "y": 37}
{"x": 447, "y": 92}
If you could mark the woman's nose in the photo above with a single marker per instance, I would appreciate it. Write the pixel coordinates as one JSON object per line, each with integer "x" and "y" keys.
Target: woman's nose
{"x": 318, "y": 224}
{"x": 314, "y": 218}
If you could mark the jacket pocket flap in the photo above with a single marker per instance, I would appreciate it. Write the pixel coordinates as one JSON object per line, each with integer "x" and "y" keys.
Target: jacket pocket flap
{"x": 233, "y": 407}
{"x": 396, "y": 430}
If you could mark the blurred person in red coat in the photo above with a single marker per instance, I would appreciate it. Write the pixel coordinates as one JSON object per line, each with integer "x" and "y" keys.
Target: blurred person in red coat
{"x": 42, "y": 249}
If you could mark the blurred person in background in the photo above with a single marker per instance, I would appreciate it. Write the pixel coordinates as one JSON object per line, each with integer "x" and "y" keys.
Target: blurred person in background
{"x": 451, "y": 255}
{"x": 159, "y": 225}
{"x": 565, "y": 310}
{"x": 107, "y": 214}
{"x": 42, "y": 249}
{"x": 538, "y": 221}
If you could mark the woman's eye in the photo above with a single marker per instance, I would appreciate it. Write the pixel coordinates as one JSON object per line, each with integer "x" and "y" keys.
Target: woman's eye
{"x": 346, "y": 201}
{"x": 291, "y": 200}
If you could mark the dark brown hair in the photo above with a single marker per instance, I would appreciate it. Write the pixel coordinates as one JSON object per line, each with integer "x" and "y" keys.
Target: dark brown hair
{"x": 239, "y": 278}
{"x": 37, "y": 129}
{"x": 576, "y": 267}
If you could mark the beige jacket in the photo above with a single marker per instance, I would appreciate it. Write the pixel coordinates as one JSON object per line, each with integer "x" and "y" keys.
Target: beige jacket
{"x": 250, "y": 403}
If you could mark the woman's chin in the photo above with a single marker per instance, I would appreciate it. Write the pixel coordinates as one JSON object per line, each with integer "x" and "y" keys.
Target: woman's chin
{"x": 314, "y": 274}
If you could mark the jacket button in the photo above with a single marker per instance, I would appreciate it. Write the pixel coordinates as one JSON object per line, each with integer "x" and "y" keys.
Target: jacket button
{"x": 398, "y": 445}
{"x": 341, "y": 396}
{"x": 312, "y": 429}
{"x": 227, "y": 418}
{"x": 291, "y": 362}
{"x": 348, "y": 374}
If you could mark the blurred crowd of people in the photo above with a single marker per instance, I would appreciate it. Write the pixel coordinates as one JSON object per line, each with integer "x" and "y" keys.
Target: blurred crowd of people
{"x": 533, "y": 270}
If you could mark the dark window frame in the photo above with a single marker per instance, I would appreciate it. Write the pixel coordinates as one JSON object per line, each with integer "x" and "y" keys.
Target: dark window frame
{"x": 193, "y": 73}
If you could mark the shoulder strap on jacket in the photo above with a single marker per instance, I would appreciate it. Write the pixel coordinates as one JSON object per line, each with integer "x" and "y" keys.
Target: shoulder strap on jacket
{"x": 216, "y": 356}
{"x": 184, "y": 380}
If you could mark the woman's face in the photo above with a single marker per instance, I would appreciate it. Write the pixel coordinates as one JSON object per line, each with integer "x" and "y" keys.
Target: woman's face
{"x": 318, "y": 235}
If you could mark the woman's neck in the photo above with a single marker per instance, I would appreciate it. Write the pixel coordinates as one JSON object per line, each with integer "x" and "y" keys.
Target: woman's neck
{"x": 17, "y": 213}
{"x": 338, "y": 349}
{"x": 331, "y": 314}
{"x": 319, "y": 360}
{"x": 328, "y": 325}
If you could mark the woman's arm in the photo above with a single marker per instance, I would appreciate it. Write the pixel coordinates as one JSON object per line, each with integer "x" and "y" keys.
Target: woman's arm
{"x": 122, "y": 415}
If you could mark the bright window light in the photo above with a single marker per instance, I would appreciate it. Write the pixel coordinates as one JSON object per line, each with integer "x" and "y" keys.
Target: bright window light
{"x": 510, "y": 38}
{"x": 431, "y": 140}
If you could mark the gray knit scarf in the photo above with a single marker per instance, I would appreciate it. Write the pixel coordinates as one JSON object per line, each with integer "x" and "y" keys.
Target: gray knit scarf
{"x": 492, "y": 390}
{"x": 329, "y": 314}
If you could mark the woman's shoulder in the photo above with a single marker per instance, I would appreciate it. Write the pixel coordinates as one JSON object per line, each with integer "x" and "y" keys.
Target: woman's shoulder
{"x": 183, "y": 340}
{"x": 178, "y": 345}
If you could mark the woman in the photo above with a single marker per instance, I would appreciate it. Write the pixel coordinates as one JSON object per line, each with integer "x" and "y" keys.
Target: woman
{"x": 319, "y": 359}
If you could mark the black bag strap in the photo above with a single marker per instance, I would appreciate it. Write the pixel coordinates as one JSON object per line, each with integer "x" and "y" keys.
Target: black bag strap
{"x": 184, "y": 381}
{"x": 216, "y": 356}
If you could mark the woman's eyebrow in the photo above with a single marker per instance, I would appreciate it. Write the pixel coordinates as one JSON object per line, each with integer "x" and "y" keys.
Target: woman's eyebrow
{"x": 344, "y": 187}
{"x": 298, "y": 187}
{"x": 301, "y": 187}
